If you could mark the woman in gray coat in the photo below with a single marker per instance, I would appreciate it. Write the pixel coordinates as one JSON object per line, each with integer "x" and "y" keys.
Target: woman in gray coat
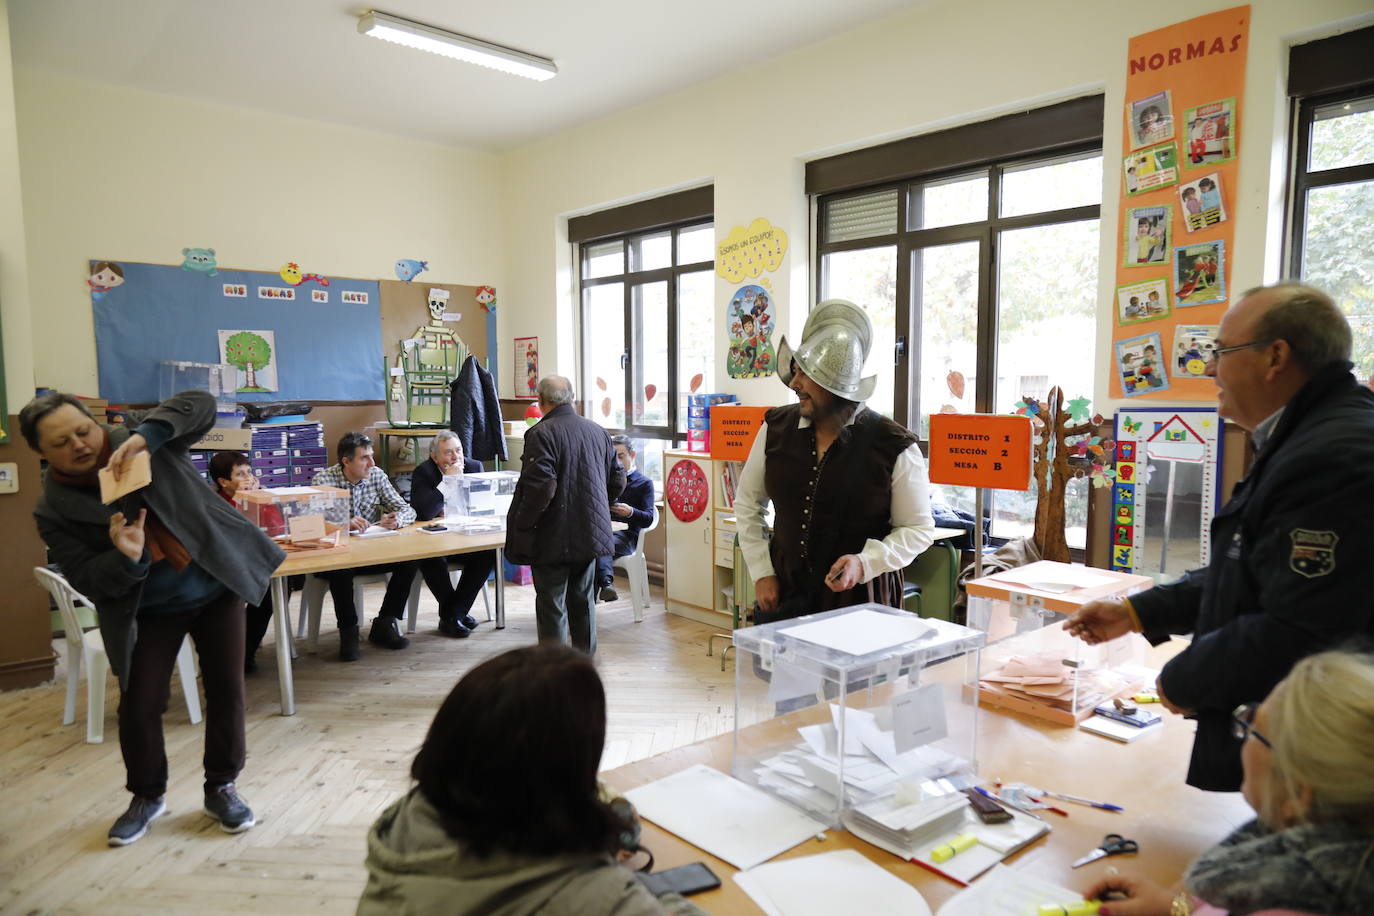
{"x": 163, "y": 562}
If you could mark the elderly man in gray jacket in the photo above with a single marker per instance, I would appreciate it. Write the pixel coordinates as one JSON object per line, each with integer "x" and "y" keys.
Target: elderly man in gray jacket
{"x": 559, "y": 520}
{"x": 163, "y": 562}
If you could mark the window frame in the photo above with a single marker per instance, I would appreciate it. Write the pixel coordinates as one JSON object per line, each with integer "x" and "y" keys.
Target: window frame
{"x": 632, "y": 343}
{"x": 1302, "y": 179}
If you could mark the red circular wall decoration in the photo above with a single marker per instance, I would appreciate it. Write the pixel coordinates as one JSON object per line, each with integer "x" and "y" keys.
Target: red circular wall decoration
{"x": 686, "y": 491}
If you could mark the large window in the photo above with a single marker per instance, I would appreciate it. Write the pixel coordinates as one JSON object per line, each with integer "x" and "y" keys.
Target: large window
{"x": 1332, "y": 246}
{"x": 982, "y": 286}
{"x": 648, "y": 331}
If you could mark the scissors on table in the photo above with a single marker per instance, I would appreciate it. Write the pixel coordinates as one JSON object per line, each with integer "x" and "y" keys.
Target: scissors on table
{"x": 1113, "y": 844}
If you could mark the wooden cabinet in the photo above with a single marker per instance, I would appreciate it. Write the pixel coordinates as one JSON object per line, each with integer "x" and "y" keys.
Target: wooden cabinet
{"x": 699, "y": 567}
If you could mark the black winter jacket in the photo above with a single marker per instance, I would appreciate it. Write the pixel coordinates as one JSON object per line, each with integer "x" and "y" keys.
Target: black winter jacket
{"x": 475, "y": 413}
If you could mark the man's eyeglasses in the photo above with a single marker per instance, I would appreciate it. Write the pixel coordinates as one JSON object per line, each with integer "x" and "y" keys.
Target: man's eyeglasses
{"x": 1217, "y": 351}
{"x": 1243, "y": 724}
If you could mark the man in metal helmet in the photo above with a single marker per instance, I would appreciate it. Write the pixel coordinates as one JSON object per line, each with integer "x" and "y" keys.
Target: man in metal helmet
{"x": 848, "y": 485}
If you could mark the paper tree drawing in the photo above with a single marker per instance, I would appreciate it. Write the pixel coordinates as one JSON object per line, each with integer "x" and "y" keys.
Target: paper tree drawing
{"x": 250, "y": 352}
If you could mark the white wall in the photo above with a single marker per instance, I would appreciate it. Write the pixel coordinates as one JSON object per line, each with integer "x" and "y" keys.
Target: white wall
{"x": 14, "y": 269}
{"x": 752, "y": 131}
{"x": 118, "y": 174}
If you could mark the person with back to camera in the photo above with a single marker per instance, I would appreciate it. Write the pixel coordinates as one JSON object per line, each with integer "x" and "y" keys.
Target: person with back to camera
{"x": 531, "y": 721}
{"x": 1308, "y": 757}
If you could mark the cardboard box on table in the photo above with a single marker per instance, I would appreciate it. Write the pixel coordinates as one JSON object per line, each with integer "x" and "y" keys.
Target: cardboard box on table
{"x": 899, "y": 711}
{"x": 300, "y": 518}
{"x": 1023, "y": 611}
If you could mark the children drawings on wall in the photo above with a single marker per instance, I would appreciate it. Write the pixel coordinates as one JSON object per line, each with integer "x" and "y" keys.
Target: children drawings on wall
{"x": 1139, "y": 360}
{"x": 1147, "y": 169}
{"x": 526, "y": 365}
{"x": 1211, "y": 133}
{"x": 1200, "y": 273}
{"x": 1144, "y": 301}
{"x": 253, "y": 354}
{"x": 1202, "y": 206}
{"x": 105, "y": 276}
{"x": 1152, "y": 120}
{"x": 751, "y": 322}
{"x": 1147, "y": 239}
{"x": 1193, "y": 346}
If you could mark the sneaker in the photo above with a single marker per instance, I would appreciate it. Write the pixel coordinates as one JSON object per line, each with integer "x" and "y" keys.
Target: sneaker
{"x": 608, "y": 593}
{"x": 348, "y": 644}
{"x": 224, "y": 805}
{"x": 386, "y": 632}
{"x": 132, "y": 824}
{"x": 450, "y": 626}
{"x": 468, "y": 621}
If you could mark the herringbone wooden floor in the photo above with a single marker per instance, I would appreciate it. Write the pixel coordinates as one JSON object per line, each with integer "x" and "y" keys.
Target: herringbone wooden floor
{"x": 316, "y": 780}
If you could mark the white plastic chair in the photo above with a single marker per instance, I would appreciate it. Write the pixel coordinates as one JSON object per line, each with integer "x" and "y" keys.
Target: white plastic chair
{"x": 87, "y": 649}
{"x": 312, "y": 602}
{"x": 637, "y": 571}
{"x": 413, "y": 604}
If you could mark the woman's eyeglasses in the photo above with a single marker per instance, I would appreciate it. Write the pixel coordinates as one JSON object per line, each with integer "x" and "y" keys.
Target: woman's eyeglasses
{"x": 1243, "y": 724}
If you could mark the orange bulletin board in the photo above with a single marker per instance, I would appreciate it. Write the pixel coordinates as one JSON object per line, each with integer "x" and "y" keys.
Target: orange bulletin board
{"x": 733, "y": 429}
{"x": 980, "y": 450}
{"x": 1185, "y": 86}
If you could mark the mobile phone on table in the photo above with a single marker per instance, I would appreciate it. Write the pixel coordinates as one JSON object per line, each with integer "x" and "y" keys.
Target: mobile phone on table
{"x": 684, "y": 880}
{"x": 435, "y": 526}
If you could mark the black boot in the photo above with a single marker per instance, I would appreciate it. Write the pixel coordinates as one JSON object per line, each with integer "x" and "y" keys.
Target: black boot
{"x": 348, "y": 644}
{"x": 453, "y": 626}
{"x": 386, "y": 632}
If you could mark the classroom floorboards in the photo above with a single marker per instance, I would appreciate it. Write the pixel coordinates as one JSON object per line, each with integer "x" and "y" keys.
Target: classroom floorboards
{"x": 315, "y": 780}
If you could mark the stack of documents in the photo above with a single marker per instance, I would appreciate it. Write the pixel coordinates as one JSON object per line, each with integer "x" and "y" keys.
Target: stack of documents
{"x": 1046, "y": 680}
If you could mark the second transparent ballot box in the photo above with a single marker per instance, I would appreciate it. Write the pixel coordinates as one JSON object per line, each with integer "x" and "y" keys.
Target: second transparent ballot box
{"x": 1032, "y": 664}
{"x": 300, "y": 518}
{"x": 857, "y": 706}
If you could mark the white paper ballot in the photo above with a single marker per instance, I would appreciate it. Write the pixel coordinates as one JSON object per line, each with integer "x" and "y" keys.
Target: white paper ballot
{"x": 790, "y": 682}
{"x": 861, "y": 632}
{"x": 1048, "y": 576}
{"x": 730, "y": 820}
{"x": 843, "y": 881}
{"x": 918, "y": 717}
{"x": 1006, "y": 892}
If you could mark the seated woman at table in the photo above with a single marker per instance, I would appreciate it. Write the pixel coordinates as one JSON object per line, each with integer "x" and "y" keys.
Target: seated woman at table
{"x": 507, "y": 816}
{"x": 231, "y": 472}
{"x": 1308, "y": 757}
{"x": 446, "y": 461}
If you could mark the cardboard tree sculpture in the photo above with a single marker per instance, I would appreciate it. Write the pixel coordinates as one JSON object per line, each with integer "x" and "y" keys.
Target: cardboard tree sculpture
{"x": 248, "y": 352}
{"x": 1064, "y": 449}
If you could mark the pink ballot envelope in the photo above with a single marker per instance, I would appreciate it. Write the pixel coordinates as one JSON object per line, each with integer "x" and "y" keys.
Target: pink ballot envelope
{"x": 138, "y": 473}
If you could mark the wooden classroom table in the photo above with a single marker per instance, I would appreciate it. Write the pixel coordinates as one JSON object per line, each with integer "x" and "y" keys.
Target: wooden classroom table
{"x": 1173, "y": 822}
{"x": 410, "y": 544}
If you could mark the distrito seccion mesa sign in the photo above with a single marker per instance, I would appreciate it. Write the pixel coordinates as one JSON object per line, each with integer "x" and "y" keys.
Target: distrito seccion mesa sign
{"x": 981, "y": 450}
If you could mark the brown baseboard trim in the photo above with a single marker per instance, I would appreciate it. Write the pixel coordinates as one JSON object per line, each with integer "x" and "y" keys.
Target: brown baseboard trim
{"x": 28, "y": 672}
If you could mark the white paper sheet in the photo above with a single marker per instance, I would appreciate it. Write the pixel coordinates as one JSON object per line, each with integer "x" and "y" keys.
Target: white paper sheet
{"x": 377, "y": 531}
{"x": 1048, "y": 576}
{"x": 861, "y": 632}
{"x": 1006, "y": 892}
{"x": 730, "y": 820}
{"x": 843, "y": 881}
{"x": 290, "y": 491}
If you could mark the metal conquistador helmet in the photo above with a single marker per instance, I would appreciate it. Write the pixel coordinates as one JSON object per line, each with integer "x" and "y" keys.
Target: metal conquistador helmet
{"x": 835, "y": 344}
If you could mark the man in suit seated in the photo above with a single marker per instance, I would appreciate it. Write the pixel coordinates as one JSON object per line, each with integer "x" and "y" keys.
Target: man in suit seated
{"x": 446, "y": 461}
{"x": 635, "y": 508}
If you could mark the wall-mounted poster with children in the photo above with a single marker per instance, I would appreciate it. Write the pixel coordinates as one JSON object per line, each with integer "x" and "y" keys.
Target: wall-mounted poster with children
{"x": 1151, "y": 120}
{"x": 1202, "y": 206}
{"x": 1148, "y": 232}
{"x": 1193, "y": 346}
{"x": 1141, "y": 365}
{"x": 1211, "y": 136}
{"x": 526, "y": 365}
{"x": 1144, "y": 301}
{"x": 1147, "y": 169}
{"x": 750, "y": 320}
{"x": 1200, "y": 273}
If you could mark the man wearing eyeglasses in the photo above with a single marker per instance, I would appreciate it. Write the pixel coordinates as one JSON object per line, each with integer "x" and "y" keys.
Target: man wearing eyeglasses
{"x": 1291, "y": 551}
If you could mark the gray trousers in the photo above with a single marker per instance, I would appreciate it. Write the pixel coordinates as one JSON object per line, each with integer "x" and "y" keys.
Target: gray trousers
{"x": 564, "y": 602}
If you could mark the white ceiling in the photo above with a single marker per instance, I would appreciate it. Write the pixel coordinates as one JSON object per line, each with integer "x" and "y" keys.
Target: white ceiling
{"x": 306, "y": 58}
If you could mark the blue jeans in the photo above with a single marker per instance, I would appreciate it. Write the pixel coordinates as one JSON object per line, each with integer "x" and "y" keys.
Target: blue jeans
{"x": 564, "y": 602}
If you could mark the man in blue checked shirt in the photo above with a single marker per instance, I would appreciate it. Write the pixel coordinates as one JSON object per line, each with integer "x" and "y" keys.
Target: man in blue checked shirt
{"x": 375, "y": 502}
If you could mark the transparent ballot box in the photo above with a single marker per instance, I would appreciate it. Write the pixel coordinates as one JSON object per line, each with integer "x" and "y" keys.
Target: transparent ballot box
{"x": 300, "y": 518}
{"x": 862, "y": 706}
{"x": 220, "y": 379}
{"x": 1032, "y": 665}
{"x": 502, "y": 490}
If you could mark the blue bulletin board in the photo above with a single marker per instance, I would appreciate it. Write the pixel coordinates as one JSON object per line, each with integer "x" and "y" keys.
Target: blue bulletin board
{"x": 328, "y": 338}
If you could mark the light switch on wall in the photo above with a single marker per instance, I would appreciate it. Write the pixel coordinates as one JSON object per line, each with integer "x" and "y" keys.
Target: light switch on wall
{"x": 9, "y": 477}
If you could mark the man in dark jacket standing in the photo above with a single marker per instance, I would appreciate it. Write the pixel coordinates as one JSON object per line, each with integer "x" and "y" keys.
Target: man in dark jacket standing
{"x": 1286, "y": 577}
{"x": 558, "y": 522}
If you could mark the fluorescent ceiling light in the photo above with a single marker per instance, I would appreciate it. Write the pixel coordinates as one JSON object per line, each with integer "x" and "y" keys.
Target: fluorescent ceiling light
{"x": 459, "y": 47}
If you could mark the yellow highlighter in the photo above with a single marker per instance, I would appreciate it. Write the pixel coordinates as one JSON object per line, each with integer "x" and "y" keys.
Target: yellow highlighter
{"x": 1147, "y": 698}
{"x": 953, "y": 847}
{"x": 1081, "y": 908}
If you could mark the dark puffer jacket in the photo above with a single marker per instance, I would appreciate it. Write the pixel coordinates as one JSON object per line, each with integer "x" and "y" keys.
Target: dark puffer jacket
{"x": 561, "y": 510}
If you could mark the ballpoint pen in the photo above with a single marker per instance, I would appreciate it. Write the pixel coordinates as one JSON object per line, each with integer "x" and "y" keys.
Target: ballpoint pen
{"x": 1079, "y": 800}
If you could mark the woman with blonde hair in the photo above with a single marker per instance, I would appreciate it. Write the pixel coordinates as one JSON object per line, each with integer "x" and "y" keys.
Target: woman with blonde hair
{"x": 1308, "y": 757}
